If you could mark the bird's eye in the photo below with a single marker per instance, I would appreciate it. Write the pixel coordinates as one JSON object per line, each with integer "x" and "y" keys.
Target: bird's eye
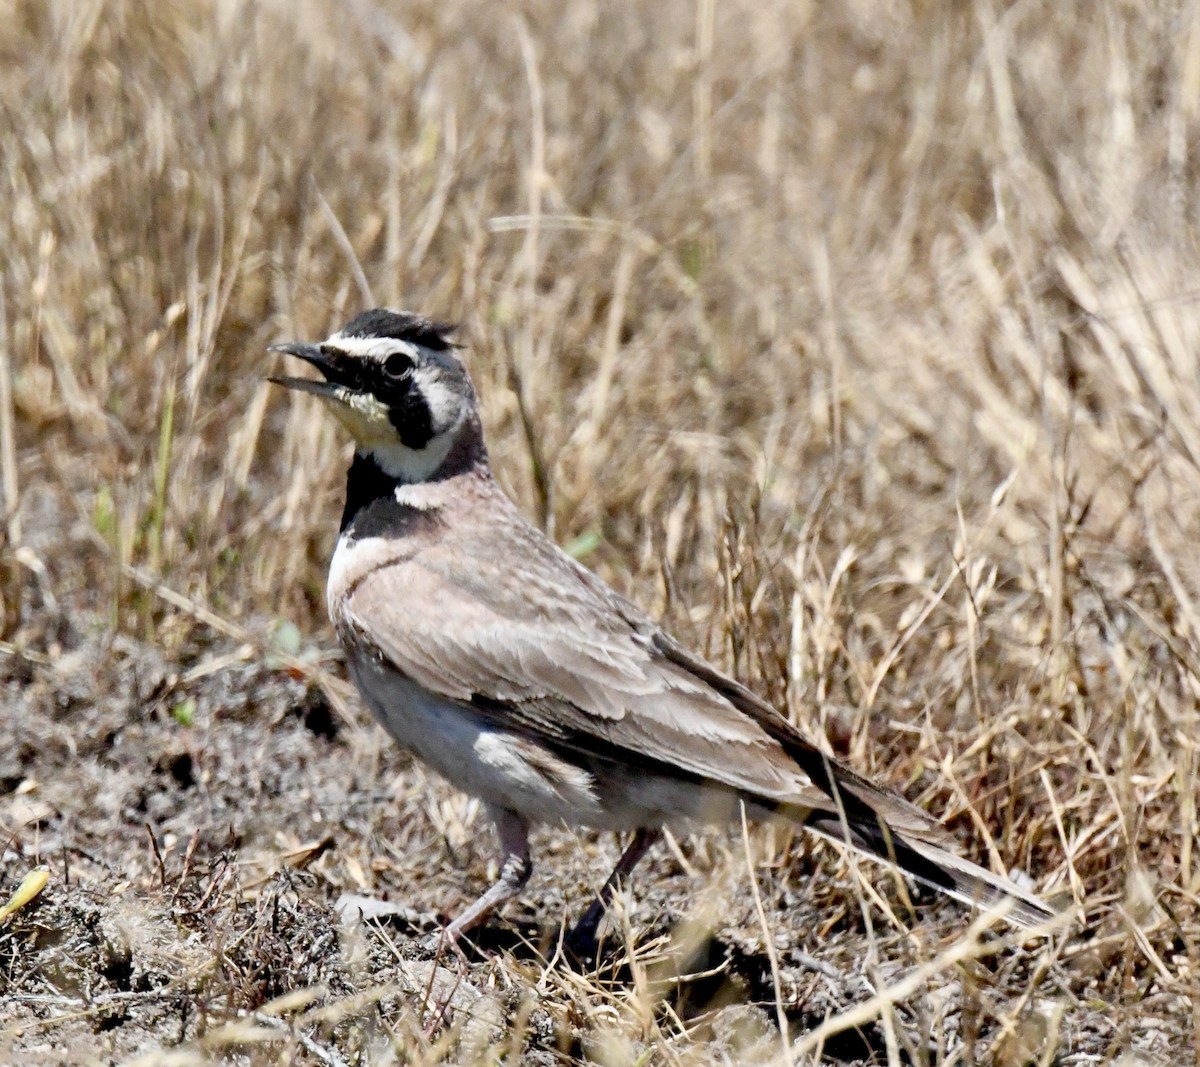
{"x": 397, "y": 365}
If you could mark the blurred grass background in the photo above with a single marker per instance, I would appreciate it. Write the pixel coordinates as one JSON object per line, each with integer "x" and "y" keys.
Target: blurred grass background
{"x": 858, "y": 341}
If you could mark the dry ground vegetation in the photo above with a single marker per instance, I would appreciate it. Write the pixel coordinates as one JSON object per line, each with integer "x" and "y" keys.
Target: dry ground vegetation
{"x": 856, "y": 341}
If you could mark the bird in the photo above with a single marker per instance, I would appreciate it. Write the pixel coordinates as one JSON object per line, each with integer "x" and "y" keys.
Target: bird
{"x": 525, "y": 680}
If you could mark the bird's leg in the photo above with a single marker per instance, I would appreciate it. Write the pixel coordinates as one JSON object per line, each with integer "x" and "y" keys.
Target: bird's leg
{"x": 582, "y": 938}
{"x": 517, "y": 866}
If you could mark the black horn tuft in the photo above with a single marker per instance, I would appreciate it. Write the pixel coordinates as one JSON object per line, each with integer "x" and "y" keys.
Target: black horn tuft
{"x": 402, "y": 325}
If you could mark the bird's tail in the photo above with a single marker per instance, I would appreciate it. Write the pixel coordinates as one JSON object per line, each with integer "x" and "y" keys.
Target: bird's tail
{"x": 934, "y": 866}
{"x": 869, "y": 818}
{"x": 880, "y": 823}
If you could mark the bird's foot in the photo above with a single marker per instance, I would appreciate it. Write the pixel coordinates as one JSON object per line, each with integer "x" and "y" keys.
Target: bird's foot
{"x": 583, "y": 941}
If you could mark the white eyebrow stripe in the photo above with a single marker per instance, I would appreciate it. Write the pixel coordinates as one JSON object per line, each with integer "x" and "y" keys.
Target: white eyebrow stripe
{"x": 372, "y": 347}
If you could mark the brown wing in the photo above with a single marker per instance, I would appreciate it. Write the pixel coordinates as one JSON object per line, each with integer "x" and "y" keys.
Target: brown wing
{"x": 575, "y": 672}
{"x": 515, "y": 625}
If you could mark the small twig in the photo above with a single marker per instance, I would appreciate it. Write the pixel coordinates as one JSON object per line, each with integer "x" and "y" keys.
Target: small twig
{"x": 439, "y": 946}
{"x": 9, "y": 649}
{"x": 541, "y": 474}
{"x": 8, "y": 445}
{"x": 339, "y": 235}
{"x": 193, "y": 841}
{"x": 439, "y": 1014}
{"x": 162, "y": 867}
{"x": 769, "y": 941}
{"x": 819, "y": 966}
{"x": 100, "y": 1000}
{"x": 215, "y": 884}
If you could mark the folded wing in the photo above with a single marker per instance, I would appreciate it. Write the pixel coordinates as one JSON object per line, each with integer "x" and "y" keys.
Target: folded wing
{"x": 591, "y": 672}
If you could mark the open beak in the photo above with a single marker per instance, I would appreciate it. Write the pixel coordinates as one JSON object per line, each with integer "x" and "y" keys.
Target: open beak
{"x": 319, "y": 359}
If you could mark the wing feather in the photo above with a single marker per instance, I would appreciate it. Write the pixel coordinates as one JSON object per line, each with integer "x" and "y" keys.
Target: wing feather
{"x": 591, "y": 672}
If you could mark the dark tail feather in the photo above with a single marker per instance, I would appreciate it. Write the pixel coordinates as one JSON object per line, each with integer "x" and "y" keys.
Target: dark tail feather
{"x": 870, "y": 819}
{"x": 935, "y": 867}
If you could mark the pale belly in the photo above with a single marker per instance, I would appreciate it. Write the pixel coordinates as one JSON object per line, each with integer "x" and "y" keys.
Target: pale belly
{"x": 509, "y": 771}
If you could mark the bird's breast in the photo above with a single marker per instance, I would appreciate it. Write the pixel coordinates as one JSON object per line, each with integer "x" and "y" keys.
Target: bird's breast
{"x": 356, "y": 560}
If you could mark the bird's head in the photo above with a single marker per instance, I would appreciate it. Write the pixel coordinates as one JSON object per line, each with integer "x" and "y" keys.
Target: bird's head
{"x": 393, "y": 380}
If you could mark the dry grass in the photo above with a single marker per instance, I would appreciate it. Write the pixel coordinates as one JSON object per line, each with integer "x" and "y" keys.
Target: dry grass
{"x": 858, "y": 341}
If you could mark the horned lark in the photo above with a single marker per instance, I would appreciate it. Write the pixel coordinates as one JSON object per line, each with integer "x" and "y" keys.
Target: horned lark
{"x": 522, "y": 678}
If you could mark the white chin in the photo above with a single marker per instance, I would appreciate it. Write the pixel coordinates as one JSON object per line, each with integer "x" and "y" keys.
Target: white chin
{"x": 412, "y": 465}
